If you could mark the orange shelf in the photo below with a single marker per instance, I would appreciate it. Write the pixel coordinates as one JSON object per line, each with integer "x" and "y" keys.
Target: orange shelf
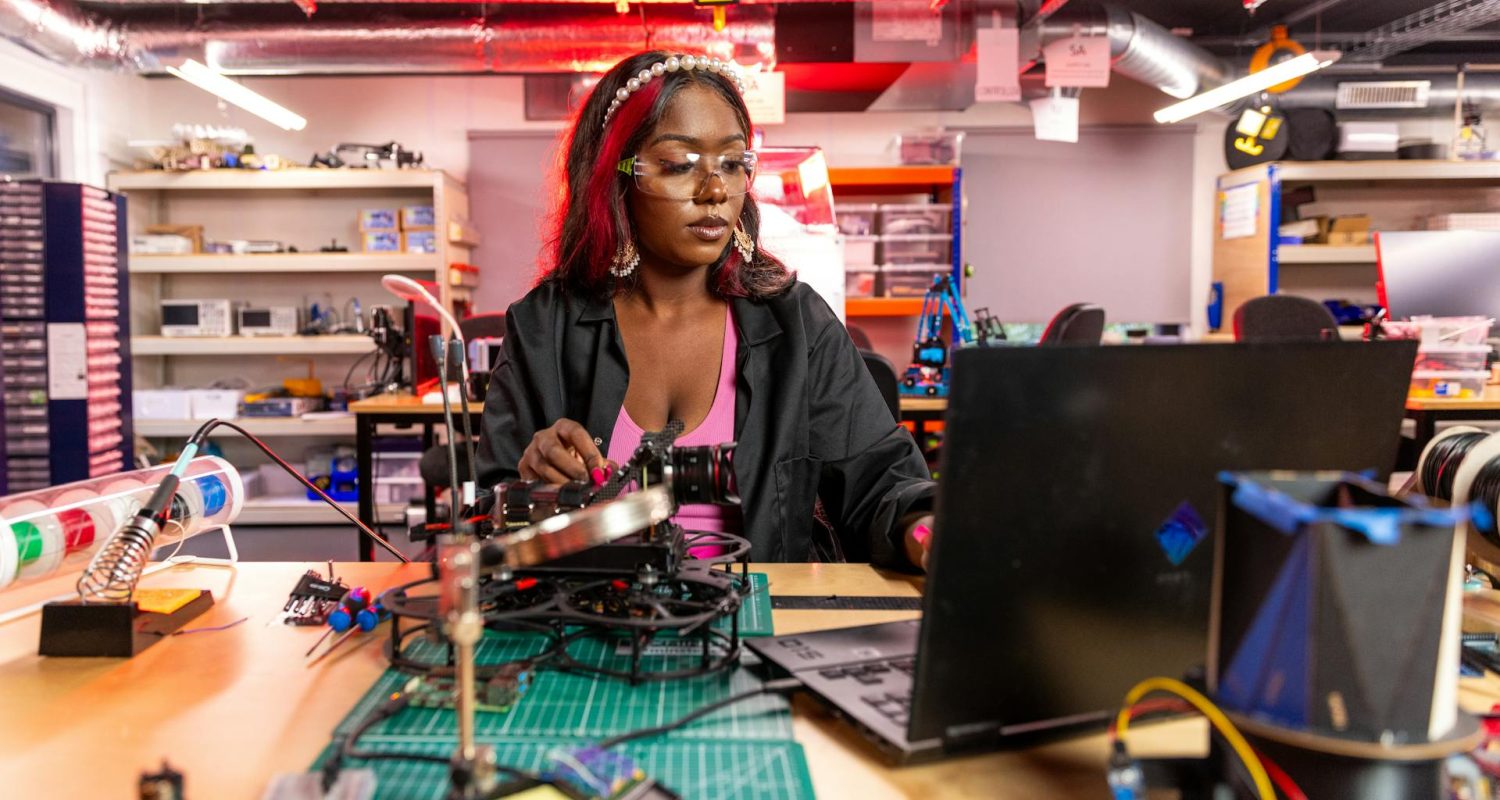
{"x": 916, "y": 177}
{"x": 882, "y": 306}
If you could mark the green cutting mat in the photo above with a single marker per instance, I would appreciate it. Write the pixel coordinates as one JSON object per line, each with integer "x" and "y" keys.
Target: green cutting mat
{"x": 588, "y": 706}
{"x": 696, "y": 770}
{"x": 743, "y": 751}
{"x": 755, "y": 610}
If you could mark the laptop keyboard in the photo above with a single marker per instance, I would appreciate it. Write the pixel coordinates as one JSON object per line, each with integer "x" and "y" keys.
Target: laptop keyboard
{"x": 893, "y": 705}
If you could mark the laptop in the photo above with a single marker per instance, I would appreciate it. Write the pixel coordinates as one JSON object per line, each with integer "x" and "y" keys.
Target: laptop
{"x": 1072, "y": 554}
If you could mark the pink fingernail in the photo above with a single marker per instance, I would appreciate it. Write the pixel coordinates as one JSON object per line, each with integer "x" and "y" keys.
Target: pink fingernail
{"x": 598, "y": 475}
{"x": 921, "y": 533}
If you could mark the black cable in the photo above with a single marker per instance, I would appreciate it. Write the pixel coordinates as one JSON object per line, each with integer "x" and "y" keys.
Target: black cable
{"x": 454, "y": 498}
{"x": 769, "y": 687}
{"x": 1442, "y": 463}
{"x": 207, "y": 427}
{"x": 352, "y": 367}
{"x": 1485, "y": 490}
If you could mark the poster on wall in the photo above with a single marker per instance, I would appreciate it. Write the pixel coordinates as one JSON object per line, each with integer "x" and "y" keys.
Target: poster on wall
{"x": 1239, "y": 211}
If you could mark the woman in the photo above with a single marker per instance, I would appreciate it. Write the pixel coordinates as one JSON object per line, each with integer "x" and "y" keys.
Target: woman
{"x": 660, "y": 305}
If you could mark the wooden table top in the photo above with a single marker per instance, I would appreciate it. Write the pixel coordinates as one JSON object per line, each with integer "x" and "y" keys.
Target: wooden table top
{"x": 397, "y": 403}
{"x": 232, "y": 708}
{"x": 1488, "y": 401}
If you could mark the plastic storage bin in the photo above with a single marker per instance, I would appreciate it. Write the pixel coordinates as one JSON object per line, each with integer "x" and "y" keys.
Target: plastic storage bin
{"x": 856, "y": 219}
{"x": 910, "y": 280}
{"x": 860, "y": 280}
{"x": 1430, "y": 383}
{"x": 917, "y": 248}
{"x": 923, "y": 218}
{"x": 1452, "y": 358}
{"x": 859, "y": 251}
{"x": 1441, "y": 331}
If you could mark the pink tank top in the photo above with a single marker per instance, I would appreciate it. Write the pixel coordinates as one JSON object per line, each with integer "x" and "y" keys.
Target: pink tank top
{"x": 716, "y": 428}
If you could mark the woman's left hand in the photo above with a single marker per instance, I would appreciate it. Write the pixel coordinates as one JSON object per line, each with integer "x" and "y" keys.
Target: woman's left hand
{"x": 919, "y": 541}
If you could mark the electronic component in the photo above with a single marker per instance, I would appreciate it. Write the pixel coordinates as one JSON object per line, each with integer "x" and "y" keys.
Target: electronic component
{"x": 271, "y": 321}
{"x": 282, "y": 406}
{"x": 163, "y": 785}
{"x": 197, "y": 318}
{"x": 504, "y": 688}
{"x": 314, "y": 598}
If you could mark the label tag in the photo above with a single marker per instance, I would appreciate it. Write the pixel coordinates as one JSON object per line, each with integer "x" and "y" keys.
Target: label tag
{"x": 67, "y": 361}
{"x": 999, "y": 77}
{"x": 1181, "y": 533}
{"x": 1078, "y": 61}
{"x": 765, "y": 97}
{"x": 1055, "y": 118}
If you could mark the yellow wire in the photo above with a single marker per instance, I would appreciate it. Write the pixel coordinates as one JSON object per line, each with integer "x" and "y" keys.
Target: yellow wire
{"x": 1215, "y": 717}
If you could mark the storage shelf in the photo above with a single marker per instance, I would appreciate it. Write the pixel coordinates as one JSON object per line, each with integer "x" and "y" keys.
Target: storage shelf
{"x": 882, "y": 306}
{"x": 349, "y": 344}
{"x": 301, "y": 511}
{"x": 1389, "y": 170}
{"x": 916, "y": 177}
{"x": 260, "y": 426}
{"x": 236, "y": 179}
{"x": 285, "y": 262}
{"x": 1326, "y": 254}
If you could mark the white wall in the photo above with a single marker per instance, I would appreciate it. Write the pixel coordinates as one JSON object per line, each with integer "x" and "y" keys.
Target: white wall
{"x": 95, "y": 108}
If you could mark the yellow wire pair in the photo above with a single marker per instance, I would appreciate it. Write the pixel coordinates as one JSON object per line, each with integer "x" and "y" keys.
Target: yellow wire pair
{"x": 1215, "y": 717}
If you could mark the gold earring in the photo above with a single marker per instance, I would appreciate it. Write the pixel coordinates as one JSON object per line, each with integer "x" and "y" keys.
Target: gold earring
{"x": 744, "y": 244}
{"x": 626, "y": 259}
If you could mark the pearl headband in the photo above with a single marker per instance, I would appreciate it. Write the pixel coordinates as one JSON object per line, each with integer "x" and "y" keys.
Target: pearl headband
{"x": 673, "y": 64}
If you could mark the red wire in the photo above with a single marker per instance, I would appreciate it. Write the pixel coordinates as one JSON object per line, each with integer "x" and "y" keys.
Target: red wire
{"x": 1283, "y": 781}
{"x": 1151, "y": 707}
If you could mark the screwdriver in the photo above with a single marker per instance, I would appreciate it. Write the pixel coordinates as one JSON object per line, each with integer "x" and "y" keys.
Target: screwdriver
{"x": 364, "y": 622}
{"x": 342, "y": 618}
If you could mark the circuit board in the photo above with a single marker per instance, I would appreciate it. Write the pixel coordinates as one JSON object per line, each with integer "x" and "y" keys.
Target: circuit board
{"x": 755, "y": 610}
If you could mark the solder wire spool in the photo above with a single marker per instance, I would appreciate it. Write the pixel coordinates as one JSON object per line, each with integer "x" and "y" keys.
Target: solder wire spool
{"x": 1437, "y": 467}
{"x": 46, "y": 530}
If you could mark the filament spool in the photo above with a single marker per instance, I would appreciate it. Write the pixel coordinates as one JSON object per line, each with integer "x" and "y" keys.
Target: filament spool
{"x": 1436, "y": 466}
{"x": 1484, "y": 546}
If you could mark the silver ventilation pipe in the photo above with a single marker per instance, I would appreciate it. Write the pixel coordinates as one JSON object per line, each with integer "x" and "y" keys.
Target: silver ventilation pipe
{"x": 1321, "y": 90}
{"x": 515, "y": 39}
{"x": 1141, "y": 49}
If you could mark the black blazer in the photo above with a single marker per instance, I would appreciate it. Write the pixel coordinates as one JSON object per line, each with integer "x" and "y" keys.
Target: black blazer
{"x": 808, "y": 418}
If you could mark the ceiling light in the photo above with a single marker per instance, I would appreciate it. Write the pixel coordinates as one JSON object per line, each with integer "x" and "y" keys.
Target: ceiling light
{"x": 215, "y": 83}
{"x": 1248, "y": 85}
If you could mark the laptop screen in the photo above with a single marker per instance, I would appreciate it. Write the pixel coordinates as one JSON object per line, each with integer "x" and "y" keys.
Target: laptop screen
{"x": 1072, "y": 556}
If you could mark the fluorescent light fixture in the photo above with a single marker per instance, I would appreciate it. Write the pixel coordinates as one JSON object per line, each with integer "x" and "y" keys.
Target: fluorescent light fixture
{"x": 1248, "y": 85}
{"x": 216, "y": 84}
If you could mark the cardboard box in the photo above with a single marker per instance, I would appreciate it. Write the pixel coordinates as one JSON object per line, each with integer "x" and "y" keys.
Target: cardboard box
{"x": 417, "y": 218}
{"x": 1348, "y": 230}
{"x": 194, "y": 233}
{"x": 381, "y": 241}
{"x": 378, "y": 219}
{"x": 419, "y": 241}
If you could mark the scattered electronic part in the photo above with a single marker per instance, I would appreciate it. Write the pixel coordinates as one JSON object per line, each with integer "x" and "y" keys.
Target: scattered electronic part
{"x": 163, "y": 785}
{"x": 314, "y": 598}
{"x": 604, "y": 775}
{"x": 505, "y": 687}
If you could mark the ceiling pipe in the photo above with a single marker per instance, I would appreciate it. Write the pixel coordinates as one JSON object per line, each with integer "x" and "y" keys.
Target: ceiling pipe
{"x": 514, "y": 40}
{"x": 1141, "y": 49}
{"x": 1321, "y": 91}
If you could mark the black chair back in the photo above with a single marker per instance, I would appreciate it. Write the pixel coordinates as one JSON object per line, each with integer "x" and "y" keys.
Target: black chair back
{"x": 884, "y": 374}
{"x": 1078, "y": 324}
{"x": 1284, "y": 318}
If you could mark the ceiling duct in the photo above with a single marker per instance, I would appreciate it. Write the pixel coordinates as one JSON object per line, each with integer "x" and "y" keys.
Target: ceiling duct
{"x": 1141, "y": 49}
{"x": 1332, "y": 90}
{"x": 515, "y": 39}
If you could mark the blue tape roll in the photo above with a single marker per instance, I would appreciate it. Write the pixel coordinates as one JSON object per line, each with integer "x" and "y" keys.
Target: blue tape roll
{"x": 215, "y": 494}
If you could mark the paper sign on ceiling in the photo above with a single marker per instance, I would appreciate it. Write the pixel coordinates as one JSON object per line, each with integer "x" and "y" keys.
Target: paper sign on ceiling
{"x": 999, "y": 77}
{"x": 1055, "y": 119}
{"x": 905, "y": 21}
{"x": 1081, "y": 61}
{"x": 765, "y": 96}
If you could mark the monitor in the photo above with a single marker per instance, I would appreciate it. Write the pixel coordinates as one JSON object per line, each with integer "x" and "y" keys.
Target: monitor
{"x": 1439, "y": 273}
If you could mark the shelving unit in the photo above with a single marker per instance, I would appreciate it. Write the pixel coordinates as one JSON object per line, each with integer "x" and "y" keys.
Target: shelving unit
{"x": 308, "y": 209}
{"x": 1397, "y": 195}
{"x": 943, "y": 184}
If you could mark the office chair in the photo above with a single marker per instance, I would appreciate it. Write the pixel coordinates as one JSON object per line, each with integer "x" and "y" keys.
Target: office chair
{"x": 482, "y": 326}
{"x": 1078, "y": 324}
{"x": 884, "y": 374}
{"x": 1284, "y": 318}
{"x": 859, "y": 337}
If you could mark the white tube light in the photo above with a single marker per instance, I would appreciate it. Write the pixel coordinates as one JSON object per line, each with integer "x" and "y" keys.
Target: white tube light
{"x": 1248, "y": 85}
{"x": 217, "y": 84}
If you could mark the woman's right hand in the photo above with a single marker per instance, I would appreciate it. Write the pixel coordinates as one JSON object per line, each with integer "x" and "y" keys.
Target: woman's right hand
{"x": 564, "y": 452}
